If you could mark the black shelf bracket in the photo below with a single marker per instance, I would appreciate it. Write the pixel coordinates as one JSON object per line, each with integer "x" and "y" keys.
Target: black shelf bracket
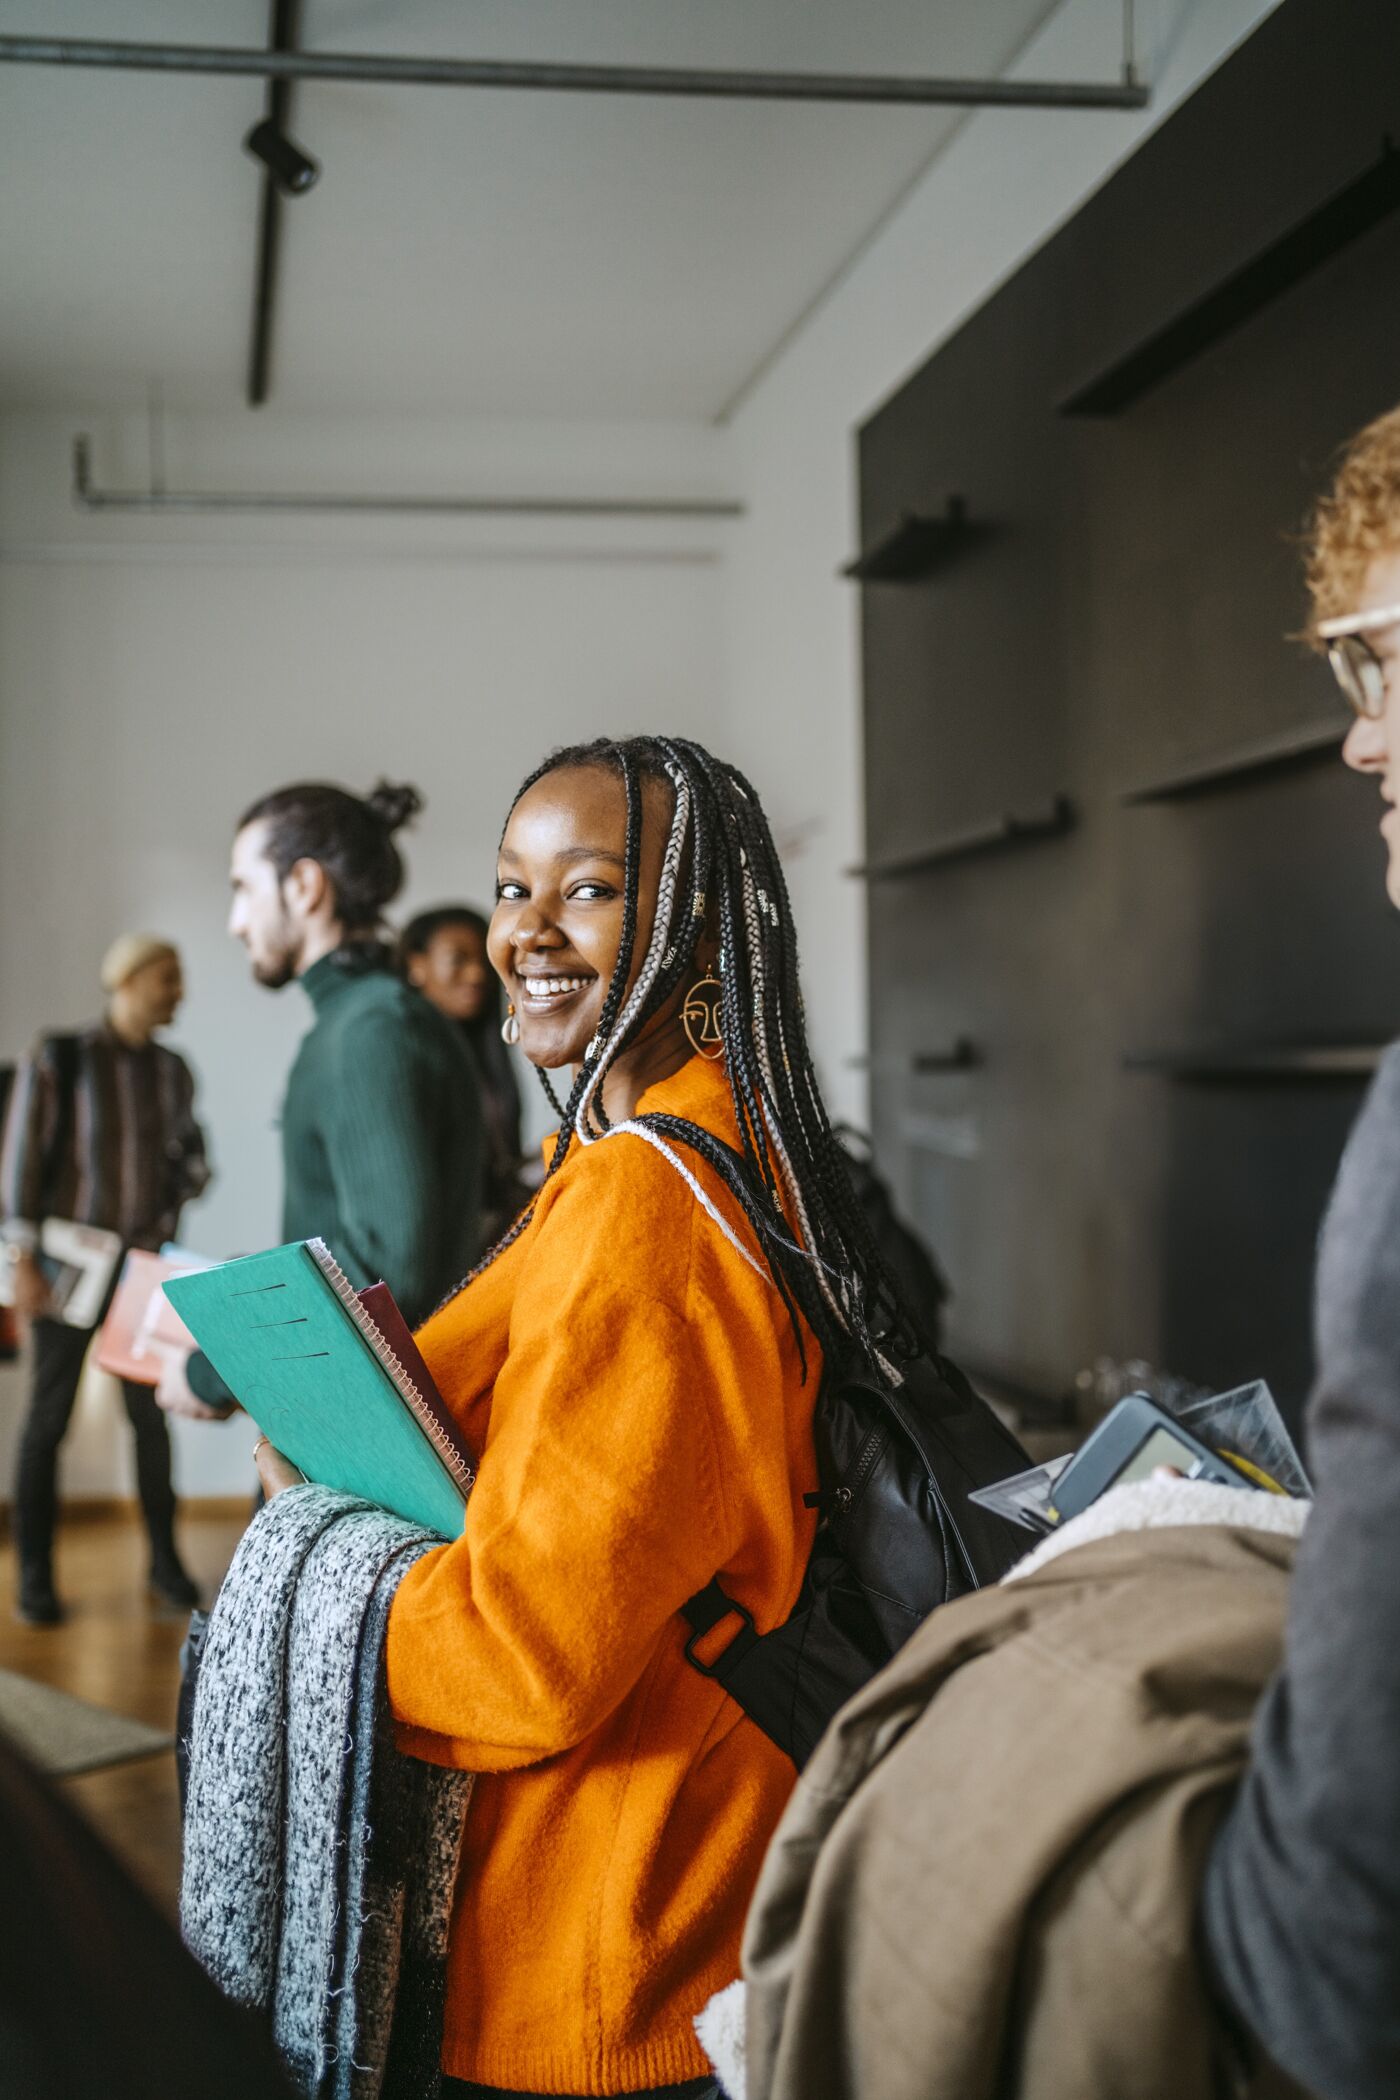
{"x": 1352, "y": 211}
{"x": 1261, "y": 1064}
{"x": 1281, "y": 754}
{"x": 961, "y": 1055}
{"x": 1053, "y": 821}
{"x": 917, "y": 546}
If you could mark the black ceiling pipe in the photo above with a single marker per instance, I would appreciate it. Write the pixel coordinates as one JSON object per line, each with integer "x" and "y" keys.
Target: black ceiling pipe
{"x": 282, "y": 37}
{"x": 370, "y": 67}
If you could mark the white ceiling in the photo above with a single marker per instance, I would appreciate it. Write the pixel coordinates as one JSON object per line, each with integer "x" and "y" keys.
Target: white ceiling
{"x": 475, "y": 252}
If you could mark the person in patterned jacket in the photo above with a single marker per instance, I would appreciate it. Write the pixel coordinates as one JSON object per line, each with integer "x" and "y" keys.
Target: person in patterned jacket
{"x": 99, "y": 1130}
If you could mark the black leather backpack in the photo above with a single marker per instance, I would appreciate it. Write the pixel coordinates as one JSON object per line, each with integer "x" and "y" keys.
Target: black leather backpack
{"x": 898, "y": 1537}
{"x": 909, "y": 1260}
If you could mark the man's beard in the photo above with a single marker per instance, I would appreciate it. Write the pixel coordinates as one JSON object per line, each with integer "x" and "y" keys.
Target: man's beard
{"x": 280, "y": 968}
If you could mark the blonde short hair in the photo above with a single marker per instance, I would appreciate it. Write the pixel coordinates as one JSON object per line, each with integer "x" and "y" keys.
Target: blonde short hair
{"x": 1355, "y": 521}
{"x": 131, "y": 952}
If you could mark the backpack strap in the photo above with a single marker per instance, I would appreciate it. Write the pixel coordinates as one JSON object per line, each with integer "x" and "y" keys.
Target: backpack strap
{"x": 702, "y": 1613}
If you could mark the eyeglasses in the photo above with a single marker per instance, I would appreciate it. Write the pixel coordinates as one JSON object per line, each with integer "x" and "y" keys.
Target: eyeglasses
{"x": 1360, "y": 674}
{"x": 1355, "y": 665}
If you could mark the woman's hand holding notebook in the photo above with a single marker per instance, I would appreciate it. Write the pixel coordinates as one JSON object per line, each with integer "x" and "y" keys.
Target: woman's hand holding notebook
{"x": 333, "y": 1378}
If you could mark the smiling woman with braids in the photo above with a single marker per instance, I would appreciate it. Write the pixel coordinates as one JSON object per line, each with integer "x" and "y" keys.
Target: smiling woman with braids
{"x": 637, "y": 1363}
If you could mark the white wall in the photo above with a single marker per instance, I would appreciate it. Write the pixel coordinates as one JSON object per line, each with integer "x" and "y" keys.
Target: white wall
{"x": 792, "y": 690}
{"x": 157, "y": 674}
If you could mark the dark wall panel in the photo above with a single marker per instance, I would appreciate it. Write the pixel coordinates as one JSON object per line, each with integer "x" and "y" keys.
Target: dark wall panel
{"x": 1121, "y": 624}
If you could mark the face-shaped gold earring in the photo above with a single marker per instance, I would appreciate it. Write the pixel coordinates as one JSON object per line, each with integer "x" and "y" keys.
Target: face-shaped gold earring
{"x": 700, "y": 1017}
{"x": 510, "y": 1027}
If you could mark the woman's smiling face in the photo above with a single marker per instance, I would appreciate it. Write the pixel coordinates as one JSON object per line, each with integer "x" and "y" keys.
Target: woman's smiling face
{"x": 557, "y": 928}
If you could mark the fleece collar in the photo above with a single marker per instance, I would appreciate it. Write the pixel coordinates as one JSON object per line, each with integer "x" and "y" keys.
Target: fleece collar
{"x": 1160, "y": 1505}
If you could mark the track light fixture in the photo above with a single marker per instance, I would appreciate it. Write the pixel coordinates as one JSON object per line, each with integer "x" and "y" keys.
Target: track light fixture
{"x": 293, "y": 171}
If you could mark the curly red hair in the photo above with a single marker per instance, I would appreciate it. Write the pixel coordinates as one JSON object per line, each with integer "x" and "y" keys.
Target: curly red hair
{"x": 1355, "y": 521}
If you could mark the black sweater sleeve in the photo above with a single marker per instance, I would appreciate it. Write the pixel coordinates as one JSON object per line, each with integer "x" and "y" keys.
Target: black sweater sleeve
{"x": 1302, "y": 1897}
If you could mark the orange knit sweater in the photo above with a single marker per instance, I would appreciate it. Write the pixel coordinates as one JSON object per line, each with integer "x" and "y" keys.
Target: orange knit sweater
{"x": 634, "y": 1391}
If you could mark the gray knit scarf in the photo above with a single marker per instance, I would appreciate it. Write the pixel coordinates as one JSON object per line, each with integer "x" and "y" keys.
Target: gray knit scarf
{"x": 319, "y": 1863}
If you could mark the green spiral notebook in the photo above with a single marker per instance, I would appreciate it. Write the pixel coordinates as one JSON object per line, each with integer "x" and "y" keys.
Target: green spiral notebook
{"x": 342, "y": 1392}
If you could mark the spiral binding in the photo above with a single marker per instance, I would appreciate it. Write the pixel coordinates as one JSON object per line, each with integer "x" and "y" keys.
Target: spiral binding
{"x": 462, "y": 1474}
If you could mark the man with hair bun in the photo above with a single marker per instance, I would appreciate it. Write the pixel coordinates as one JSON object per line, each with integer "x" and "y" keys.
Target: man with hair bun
{"x": 101, "y": 1131}
{"x": 382, "y": 1146}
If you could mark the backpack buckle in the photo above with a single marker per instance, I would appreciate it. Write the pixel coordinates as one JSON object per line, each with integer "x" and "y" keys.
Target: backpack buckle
{"x": 709, "y": 1608}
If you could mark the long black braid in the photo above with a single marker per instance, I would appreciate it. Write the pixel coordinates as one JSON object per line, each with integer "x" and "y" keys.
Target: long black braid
{"x": 722, "y": 877}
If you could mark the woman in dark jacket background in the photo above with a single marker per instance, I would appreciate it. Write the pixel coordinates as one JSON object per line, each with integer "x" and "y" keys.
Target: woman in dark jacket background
{"x": 443, "y": 955}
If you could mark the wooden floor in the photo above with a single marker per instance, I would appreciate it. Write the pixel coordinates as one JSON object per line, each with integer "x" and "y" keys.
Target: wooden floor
{"x": 120, "y": 1649}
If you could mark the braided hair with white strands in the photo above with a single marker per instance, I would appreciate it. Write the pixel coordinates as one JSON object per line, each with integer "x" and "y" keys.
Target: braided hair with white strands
{"x": 721, "y": 875}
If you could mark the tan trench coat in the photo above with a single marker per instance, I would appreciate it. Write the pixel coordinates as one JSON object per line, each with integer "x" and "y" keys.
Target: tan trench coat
{"x": 985, "y": 1885}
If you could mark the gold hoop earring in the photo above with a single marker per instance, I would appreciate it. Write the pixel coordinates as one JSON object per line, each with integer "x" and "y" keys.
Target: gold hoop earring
{"x": 510, "y": 1027}
{"x": 700, "y": 1017}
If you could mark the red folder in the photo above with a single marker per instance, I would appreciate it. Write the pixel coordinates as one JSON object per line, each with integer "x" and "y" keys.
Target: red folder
{"x": 378, "y": 1301}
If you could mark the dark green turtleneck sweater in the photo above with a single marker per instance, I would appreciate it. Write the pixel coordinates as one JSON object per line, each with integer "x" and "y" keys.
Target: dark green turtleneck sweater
{"x": 382, "y": 1140}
